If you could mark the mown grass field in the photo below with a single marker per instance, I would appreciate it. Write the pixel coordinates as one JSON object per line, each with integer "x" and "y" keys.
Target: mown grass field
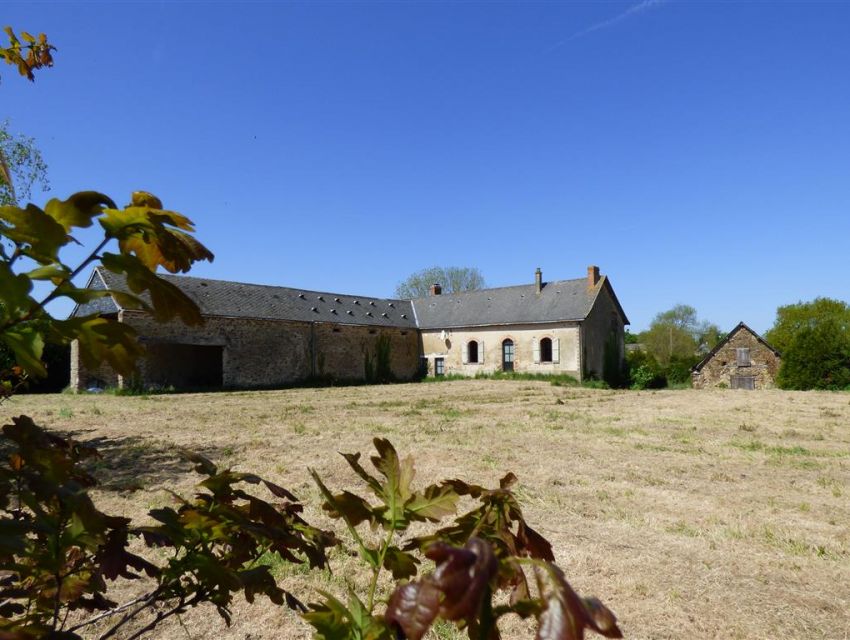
{"x": 695, "y": 514}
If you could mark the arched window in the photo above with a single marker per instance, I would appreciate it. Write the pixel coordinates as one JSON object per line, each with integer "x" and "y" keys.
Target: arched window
{"x": 546, "y": 350}
{"x": 472, "y": 350}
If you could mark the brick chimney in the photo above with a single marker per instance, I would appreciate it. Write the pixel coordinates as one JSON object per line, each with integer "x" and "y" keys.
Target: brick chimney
{"x": 436, "y": 289}
{"x": 538, "y": 280}
{"x": 592, "y": 276}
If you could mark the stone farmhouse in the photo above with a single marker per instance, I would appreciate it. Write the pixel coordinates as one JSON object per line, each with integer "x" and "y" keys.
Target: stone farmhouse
{"x": 742, "y": 360}
{"x": 266, "y": 336}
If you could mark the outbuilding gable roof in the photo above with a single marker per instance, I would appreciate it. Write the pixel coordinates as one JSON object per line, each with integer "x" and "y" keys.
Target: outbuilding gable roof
{"x": 221, "y": 298}
{"x": 740, "y": 326}
{"x": 559, "y": 301}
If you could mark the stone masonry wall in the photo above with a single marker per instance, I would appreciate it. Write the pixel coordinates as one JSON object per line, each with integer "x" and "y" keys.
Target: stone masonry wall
{"x": 83, "y": 378}
{"x": 523, "y": 336}
{"x": 269, "y": 353}
{"x": 719, "y": 370}
{"x": 596, "y": 330}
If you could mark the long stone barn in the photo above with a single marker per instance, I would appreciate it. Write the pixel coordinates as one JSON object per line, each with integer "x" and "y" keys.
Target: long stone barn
{"x": 258, "y": 336}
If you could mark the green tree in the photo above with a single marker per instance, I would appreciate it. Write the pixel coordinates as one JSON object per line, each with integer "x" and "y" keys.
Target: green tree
{"x": 814, "y": 340}
{"x": 673, "y": 334}
{"x": 452, "y": 280}
{"x": 708, "y": 337}
{"x": 631, "y": 338}
{"x": 793, "y": 318}
{"x": 817, "y": 358}
{"x": 678, "y": 334}
{"x": 21, "y": 167}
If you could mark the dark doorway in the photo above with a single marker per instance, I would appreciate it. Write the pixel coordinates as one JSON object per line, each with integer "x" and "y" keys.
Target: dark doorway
{"x": 508, "y": 355}
{"x": 184, "y": 366}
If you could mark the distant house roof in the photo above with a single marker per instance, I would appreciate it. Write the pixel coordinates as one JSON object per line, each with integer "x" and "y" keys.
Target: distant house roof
{"x": 740, "y": 326}
{"x": 559, "y": 301}
{"x": 221, "y": 298}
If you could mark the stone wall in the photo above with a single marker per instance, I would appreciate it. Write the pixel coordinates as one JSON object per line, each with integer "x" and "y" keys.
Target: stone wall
{"x": 83, "y": 378}
{"x": 260, "y": 353}
{"x": 719, "y": 370}
{"x": 602, "y": 322}
{"x": 451, "y": 348}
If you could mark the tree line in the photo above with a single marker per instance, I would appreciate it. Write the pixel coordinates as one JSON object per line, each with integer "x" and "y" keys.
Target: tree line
{"x": 813, "y": 339}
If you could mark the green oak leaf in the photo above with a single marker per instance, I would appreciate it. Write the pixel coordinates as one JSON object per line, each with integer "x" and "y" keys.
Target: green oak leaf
{"x": 39, "y": 235}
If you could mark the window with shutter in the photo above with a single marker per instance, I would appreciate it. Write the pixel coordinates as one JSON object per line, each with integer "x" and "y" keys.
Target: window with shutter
{"x": 472, "y": 352}
{"x": 743, "y": 354}
{"x": 535, "y": 350}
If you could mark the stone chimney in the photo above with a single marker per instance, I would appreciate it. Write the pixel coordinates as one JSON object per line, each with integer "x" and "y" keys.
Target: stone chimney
{"x": 538, "y": 280}
{"x": 592, "y": 276}
{"x": 436, "y": 289}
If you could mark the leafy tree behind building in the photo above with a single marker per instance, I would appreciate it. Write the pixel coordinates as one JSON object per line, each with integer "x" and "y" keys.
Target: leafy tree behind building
{"x": 675, "y": 341}
{"x": 451, "y": 279}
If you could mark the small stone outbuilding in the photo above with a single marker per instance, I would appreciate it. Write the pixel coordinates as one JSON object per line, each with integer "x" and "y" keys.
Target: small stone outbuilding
{"x": 742, "y": 360}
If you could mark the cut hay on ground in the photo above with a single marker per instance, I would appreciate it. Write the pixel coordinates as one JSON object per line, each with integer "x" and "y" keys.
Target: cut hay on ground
{"x": 692, "y": 514}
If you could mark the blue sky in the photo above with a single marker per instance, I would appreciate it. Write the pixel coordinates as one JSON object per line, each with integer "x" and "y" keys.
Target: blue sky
{"x": 698, "y": 152}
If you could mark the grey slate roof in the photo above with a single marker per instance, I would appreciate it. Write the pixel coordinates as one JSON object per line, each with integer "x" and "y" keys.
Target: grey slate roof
{"x": 560, "y": 301}
{"x": 238, "y": 300}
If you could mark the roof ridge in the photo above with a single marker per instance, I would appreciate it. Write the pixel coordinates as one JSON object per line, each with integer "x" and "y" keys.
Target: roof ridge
{"x": 509, "y": 286}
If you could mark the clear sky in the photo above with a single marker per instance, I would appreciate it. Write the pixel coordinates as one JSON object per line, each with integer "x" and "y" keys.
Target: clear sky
{"x": 698, "y": 152}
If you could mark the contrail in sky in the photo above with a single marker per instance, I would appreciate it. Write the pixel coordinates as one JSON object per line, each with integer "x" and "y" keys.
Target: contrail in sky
{"x": 635, "y": 9}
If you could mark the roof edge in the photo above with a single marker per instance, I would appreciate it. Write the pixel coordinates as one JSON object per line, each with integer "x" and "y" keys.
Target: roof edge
{"x": 605, "y": 282}
{"x": 96, "y": 272}
{"x": 741, "y": 325}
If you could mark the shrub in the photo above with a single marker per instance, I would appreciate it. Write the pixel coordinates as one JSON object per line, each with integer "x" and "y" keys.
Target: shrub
{"x": 679, "y": 370}
{"x": 644, "y": 371}
{"x": 817, "y": 358}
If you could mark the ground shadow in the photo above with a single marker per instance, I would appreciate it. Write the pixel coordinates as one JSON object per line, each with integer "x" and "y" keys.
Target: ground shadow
{"x": 131, "y": 463}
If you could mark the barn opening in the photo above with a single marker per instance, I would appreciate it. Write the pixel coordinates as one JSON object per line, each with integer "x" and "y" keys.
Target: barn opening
{"x": 185, "y": 366}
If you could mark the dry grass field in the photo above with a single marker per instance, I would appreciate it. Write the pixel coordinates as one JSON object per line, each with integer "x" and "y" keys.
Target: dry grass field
{"x": 692, "y": 514}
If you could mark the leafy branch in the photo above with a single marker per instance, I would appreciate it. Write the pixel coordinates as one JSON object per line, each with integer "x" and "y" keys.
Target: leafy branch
{"x": 58, "y": 551}
{"x": 147, "y": 237}
{"x": 479, "y": 555}
{"x": 34, "y": 53}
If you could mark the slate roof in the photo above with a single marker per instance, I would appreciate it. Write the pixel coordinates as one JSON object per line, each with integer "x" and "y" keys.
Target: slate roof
{"x": 697, "y": 367}
{"x": 559, "y": 301}
{"x": 239, "y": 300}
